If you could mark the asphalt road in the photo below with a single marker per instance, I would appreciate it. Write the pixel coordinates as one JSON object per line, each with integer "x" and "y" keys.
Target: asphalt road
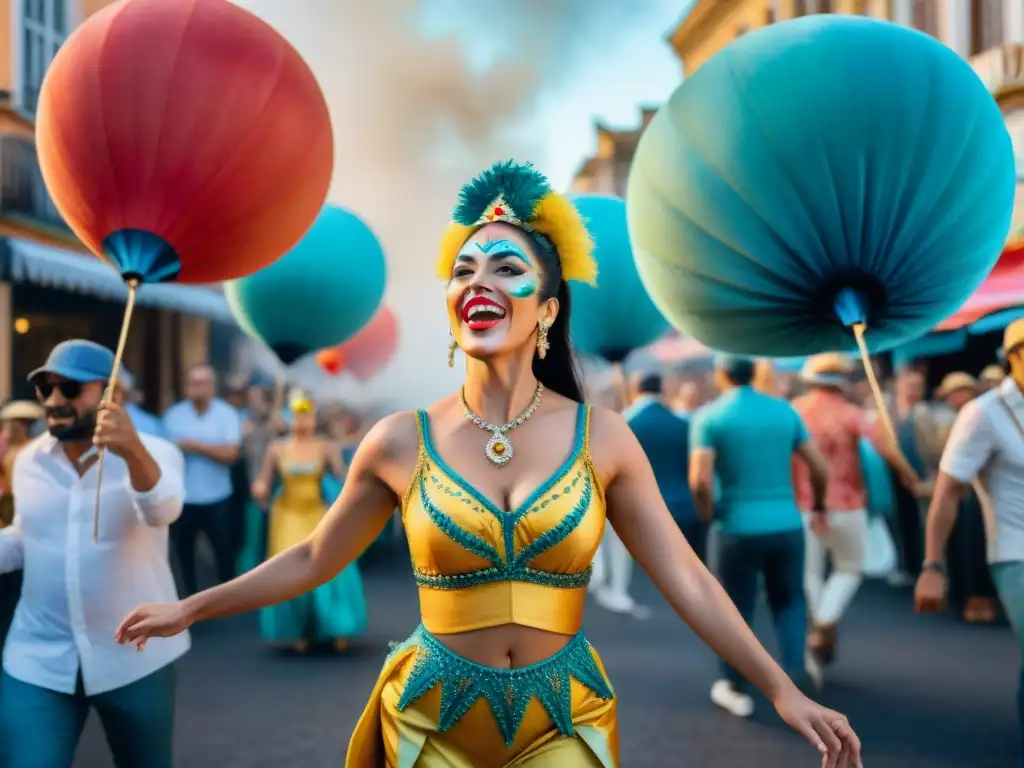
{"x": 921, "y": 691}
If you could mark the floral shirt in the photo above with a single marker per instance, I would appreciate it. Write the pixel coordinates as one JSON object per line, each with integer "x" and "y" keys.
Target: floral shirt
{"x": 836, "y": 426}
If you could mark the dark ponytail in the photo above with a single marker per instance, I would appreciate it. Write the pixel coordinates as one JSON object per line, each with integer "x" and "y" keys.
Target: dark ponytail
{"x": 559, "y": 370}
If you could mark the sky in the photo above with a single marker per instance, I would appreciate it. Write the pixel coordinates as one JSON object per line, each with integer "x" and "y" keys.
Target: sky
{"x": 424, "y": 94}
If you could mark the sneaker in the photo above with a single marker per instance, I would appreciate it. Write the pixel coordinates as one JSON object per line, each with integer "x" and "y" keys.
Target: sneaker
{"x": 725, "y": 695}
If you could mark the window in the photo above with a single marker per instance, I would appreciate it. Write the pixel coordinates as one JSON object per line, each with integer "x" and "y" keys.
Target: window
{"x": 825, "y": 6}
{"x": 986, "y": 24}
{"x": 926, "y": 16}
{"x": 44, "y": 28}
{"x": 799, "y": 8}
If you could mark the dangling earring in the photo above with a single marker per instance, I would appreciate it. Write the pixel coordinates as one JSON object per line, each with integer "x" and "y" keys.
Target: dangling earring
{"x": 451, "y": 353}
{"x": 542, "y": 340}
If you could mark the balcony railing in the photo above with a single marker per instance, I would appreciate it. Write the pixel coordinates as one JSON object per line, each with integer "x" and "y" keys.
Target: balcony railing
{"x": 22, "y": 192}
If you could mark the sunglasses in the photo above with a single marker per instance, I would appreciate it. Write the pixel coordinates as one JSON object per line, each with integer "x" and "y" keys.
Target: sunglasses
{"x": 69, "y": 390}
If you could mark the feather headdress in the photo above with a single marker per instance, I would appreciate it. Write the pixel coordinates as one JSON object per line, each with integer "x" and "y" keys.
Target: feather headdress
{"x": 519, "y": 195}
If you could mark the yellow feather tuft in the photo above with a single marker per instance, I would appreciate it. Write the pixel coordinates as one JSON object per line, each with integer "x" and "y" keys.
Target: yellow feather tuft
{"x": 455, "y": 236}
{"x": 560, "y": 221}
{"x": 556, "y": 218}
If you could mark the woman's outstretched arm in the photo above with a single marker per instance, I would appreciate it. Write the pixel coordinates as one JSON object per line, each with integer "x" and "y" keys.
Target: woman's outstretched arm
{"x": 353, "y": 522}
{"x": 644, "y": 524}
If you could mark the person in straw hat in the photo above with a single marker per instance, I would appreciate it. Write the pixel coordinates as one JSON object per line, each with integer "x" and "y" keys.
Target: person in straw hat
{"x": 991, "y": 376}
{"x": 18, "y": 417}
{"x": 838, "y": 531}
{"x": 986, "y": 447}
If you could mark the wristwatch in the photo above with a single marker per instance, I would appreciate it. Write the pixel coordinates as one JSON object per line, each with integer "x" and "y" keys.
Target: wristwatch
{"x": 934, "y": 565}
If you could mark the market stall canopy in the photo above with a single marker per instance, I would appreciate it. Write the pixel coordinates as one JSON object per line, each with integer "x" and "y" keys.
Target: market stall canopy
{"x": 51, "y": 267}
{"x": 1001, "y": 292}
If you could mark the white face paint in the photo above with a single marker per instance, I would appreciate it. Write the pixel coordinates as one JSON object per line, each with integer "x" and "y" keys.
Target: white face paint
{"x": 493, "y": 297}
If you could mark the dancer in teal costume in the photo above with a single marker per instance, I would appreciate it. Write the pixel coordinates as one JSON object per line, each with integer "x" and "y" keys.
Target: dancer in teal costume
{"x": 303, "y": 471}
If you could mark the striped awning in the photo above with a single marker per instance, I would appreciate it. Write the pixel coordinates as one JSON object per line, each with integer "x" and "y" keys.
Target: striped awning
{"x": 1002, "y": 292}
{"x": 51, "y": 267}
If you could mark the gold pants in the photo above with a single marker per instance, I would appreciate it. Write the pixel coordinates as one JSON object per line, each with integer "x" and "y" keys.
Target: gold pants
{"x": 431, "y": 707}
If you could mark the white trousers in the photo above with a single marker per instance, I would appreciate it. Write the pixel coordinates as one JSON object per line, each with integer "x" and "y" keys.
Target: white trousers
{"x": 613, "y": 568}
{"x": 844, "y": 543}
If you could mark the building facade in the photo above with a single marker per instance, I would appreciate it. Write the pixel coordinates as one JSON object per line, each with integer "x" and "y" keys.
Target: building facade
{"x": 607, "y": 171}
{"x": 969, "y": 27}
{"x": 50, "y": 287}
{"x": 989, "y": 33}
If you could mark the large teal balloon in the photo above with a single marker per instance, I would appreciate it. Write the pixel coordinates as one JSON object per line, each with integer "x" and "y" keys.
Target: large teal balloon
{"x": 817, "y": 175}
{"x": 617, "y": 316}
{"x": 320, "y": 293}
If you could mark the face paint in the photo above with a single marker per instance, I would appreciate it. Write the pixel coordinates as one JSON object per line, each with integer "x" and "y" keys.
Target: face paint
{"x": 503, "y": 270}
{"x": 526, "y": 287}
{"x": 499, "y": 249}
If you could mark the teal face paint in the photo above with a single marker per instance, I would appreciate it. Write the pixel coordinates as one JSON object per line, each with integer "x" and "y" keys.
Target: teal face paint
{"x": 500, "y": 249}
{"x": 526, "y": 286}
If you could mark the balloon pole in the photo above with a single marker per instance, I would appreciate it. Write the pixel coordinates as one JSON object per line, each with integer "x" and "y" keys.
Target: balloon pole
{"x": 108, "y": 396}
{"x": 277, "y": 414}
{"x": 620, "y": 385}
{"x": 851, "y": 307}
{"x": 279, "y": 386}
{"x": 876, "y": 390}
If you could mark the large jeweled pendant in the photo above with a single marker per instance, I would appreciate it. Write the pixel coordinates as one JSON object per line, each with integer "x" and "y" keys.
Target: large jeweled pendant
{"x": 499, "y": 450}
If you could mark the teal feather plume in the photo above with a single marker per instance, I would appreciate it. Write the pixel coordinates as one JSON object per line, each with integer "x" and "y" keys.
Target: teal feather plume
{"x": 521, "y": 186}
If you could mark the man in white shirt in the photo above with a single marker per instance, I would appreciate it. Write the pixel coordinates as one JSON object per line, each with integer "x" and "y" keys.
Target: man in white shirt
{"x": 60, "y": 659}
{"x": 986, "y": 445}
{"x": 209, "y": 432}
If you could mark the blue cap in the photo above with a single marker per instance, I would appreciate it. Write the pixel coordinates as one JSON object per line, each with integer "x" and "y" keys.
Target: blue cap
{"x": 738, "y": 368}
{"x": 78, "y": 360}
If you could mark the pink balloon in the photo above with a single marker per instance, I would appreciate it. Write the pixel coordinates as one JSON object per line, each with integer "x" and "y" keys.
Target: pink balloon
{"x": 366, "y": 353}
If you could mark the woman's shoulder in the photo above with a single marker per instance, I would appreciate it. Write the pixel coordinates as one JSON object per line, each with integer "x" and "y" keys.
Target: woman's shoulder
{"x": 394, "y": 437}
{"x": 608, "y": 427}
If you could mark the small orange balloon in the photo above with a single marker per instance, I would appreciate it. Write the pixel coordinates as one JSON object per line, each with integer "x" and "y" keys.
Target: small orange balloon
{"x": 331, "y": 360}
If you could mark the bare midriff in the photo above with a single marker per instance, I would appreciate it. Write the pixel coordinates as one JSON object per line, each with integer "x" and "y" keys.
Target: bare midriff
{"x": 509, "y": 646}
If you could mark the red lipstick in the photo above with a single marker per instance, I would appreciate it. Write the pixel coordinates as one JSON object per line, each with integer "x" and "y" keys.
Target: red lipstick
{"x": 481, "y": 313}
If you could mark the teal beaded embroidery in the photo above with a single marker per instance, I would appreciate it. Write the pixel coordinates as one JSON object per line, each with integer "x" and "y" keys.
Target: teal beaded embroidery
{"x": 503, "y": 568}
{"x": 507, "y": 691}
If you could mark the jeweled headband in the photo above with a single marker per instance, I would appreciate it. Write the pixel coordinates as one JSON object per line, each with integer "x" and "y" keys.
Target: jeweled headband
{"x": 521, "y": 196}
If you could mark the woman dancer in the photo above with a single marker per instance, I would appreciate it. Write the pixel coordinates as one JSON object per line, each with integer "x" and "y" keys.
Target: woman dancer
{"x": 309, "y": 469}
{"x": 499, "y": 673}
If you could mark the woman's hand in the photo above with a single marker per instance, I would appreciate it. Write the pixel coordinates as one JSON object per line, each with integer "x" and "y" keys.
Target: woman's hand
{"x": 153, "y": 620}
{"x": 260, "y": 492}
{"x": 827, "y": 730}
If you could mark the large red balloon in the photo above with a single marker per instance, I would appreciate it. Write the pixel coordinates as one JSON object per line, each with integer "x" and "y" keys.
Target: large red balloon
{"x": 331, "y": 360}
{"x": 189, "y": 120}
{"x": 369, "y": 351}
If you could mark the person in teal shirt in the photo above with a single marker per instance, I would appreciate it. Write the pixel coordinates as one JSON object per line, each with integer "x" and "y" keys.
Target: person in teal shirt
{"x": 747, "y": 439}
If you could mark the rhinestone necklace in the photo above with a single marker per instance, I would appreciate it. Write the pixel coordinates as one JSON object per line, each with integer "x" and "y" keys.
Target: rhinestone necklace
{"x": 499, "y": 450}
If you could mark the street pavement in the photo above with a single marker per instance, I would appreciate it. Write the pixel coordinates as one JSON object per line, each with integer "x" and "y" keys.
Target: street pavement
{"x": 921, "y": 691}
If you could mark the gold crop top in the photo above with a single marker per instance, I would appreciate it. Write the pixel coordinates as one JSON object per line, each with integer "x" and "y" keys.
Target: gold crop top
{"x": 480, "y": 566}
